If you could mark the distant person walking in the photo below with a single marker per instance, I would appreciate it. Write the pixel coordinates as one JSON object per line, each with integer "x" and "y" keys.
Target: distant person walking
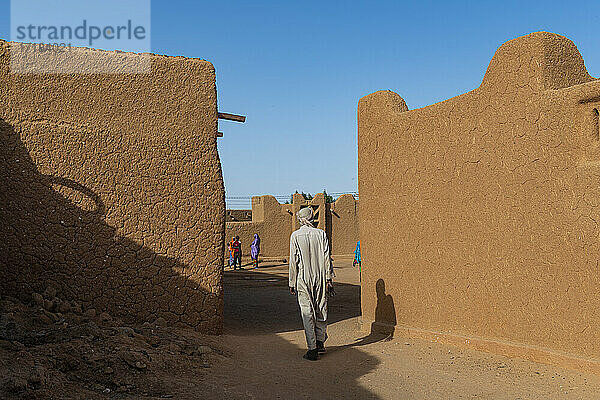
{"x": 310, "y": 277}
{"x": 231, "y": 252}
{"x": 255, "y": 249}
{"x": 237, "y": 253}
{"x": 357, "y": 255}
{"x": 357, "y": 260}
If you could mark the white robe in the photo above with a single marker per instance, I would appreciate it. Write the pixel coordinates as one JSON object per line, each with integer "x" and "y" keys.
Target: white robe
{"x": 309, "y": 269}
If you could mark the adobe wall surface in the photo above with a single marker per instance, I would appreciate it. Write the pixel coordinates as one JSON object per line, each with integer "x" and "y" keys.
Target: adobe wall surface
{"x": 344, "y": 225}
{"x": 272, "y": 223}
{"x": 111, "y": 190}
{"x": 275, "y": 222}
{"x": 479, "y": 215}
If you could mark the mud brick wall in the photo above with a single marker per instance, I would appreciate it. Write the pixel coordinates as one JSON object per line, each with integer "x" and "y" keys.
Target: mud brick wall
{"x": 111, "y": 190}
{"x": 275, "y": 222}
{"x": 480, "y": 214}
{"x": 344, "y": 225}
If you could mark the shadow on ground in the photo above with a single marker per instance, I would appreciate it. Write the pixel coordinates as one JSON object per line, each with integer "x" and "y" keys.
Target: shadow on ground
{"x": 262, "y": 322}
{"x": 259, "y": 303}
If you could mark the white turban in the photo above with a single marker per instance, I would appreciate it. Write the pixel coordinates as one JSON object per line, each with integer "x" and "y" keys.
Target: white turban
{"x": 305, "y": 216}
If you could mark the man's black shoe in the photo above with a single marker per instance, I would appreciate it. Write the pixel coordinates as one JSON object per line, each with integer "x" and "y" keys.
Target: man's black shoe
{"x": 312, "y": 355}
{"x": 320, "y": 347}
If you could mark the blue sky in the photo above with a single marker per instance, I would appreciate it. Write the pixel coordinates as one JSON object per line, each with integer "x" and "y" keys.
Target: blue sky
{"x": 298, "y": 69}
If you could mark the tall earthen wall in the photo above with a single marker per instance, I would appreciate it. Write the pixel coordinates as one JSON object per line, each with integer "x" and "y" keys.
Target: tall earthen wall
{"x": 275, "y": 222}
{"x": 479, "y": 215}
{"x": 344, "y": 225}
{"x": 111, "y": 189}
{"x": 272, "y": 223}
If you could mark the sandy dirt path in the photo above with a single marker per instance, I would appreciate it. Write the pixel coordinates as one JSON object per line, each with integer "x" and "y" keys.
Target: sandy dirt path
{"x": 86, "y": 355}
{"x": 264, "y": 343}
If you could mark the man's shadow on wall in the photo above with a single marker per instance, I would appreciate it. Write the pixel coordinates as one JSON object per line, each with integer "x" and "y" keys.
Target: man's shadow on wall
{"x": 385, "y": 318}
{"x": 54, "y": 233}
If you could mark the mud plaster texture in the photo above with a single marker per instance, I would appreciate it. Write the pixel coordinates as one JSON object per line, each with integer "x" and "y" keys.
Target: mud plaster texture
{"x": 111, "y": 192}
{"x": 479, "y": 215}
{"x": 275, "y": 222}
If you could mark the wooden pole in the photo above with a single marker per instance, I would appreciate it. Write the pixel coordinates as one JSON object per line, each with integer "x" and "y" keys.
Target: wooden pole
{"x": 232, "y": 117}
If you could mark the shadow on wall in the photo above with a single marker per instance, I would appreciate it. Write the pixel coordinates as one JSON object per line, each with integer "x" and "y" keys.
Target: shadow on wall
{"x": 385, "y": 311}
{"x": 384, "y": 326}
{"x": 54, "y": 234}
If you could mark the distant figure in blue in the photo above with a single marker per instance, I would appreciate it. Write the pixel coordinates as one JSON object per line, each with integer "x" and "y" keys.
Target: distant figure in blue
{"x": 357, "y": 257}
{"x": 255, "y": 249}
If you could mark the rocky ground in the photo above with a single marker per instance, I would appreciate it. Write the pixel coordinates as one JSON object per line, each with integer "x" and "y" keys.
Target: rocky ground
{"x": 51, "y": 349}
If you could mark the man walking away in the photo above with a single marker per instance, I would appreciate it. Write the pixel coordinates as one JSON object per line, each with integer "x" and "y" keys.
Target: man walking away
{"x": 237, "y": 253}
{"x": 310, "y": 274}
